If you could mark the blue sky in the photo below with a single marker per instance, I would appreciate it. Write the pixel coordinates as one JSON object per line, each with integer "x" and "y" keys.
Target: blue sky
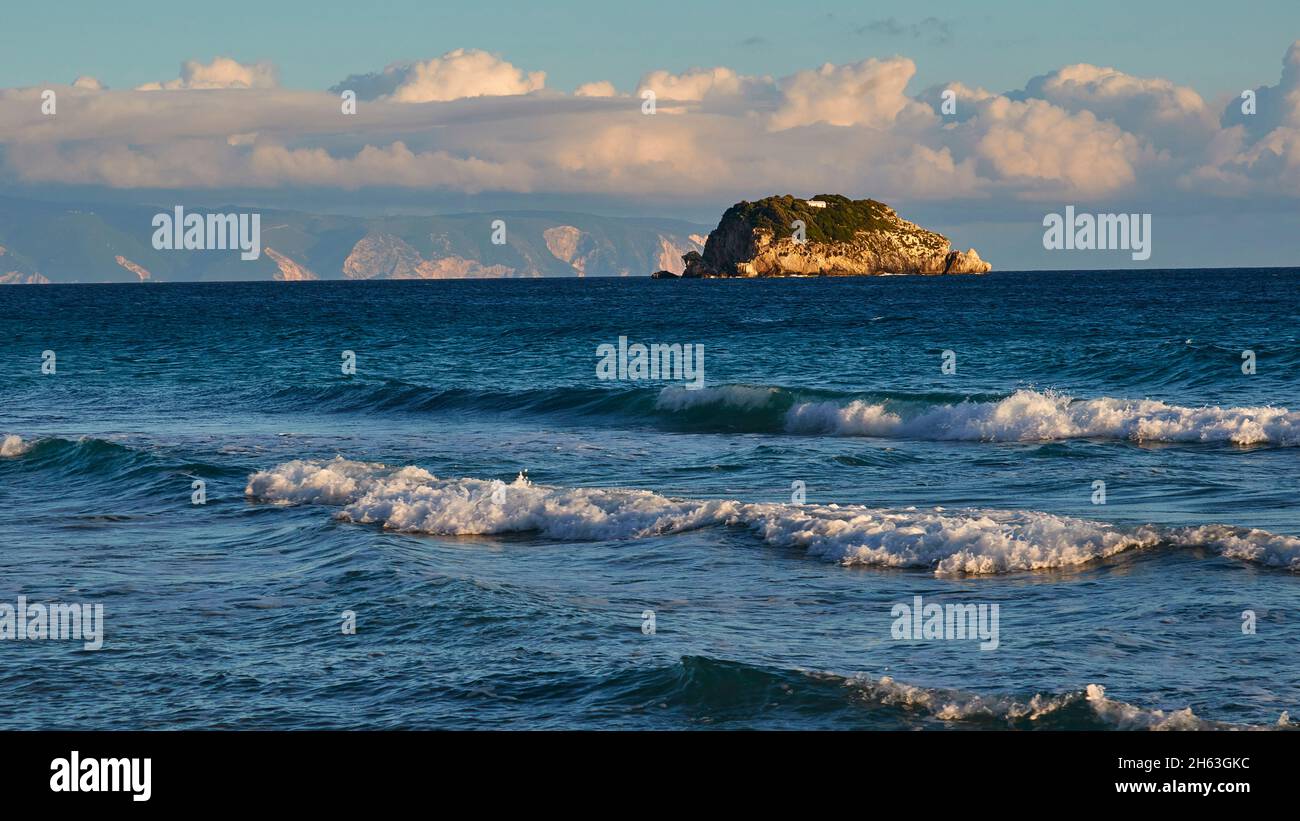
{"x": 1210, "y": 46}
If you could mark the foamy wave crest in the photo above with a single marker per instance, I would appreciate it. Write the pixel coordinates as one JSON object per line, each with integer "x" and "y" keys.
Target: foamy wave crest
{"x": 955, "y": 705}
{"x": 414, "y": 500}
{"x": 1030, "y": 415}
{"x": 12, "y": 446}
{"x": 411, "y": 499}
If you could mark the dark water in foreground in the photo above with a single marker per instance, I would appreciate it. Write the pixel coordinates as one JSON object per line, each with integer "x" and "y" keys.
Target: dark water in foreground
{"x": 482, "y": 601}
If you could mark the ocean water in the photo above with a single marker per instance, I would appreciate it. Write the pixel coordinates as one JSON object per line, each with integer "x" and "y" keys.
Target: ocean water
{"x": 504, "y": 525}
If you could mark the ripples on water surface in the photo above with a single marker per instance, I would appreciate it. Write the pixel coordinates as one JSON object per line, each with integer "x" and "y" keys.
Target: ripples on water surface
{"x": 487, "y": 601}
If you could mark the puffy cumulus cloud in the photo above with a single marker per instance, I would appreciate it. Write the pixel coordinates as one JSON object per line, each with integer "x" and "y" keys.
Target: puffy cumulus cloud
{"x": 954, "y": 102}
{"x": 1052, "y": 150}
{"x": 1081, "y": 132}
{"x": 1169, "y": 115}
{"x": 696, "y": 84}
{"x": 871, "y": 92}
{"x": 926, "y": 172}
{"x": 87, "y": 83}
{"x": 455, "y": 75}
{"x": 1260, "y": 152}
{"x": 1270, "y": 165}
{"x": 961, "y": 93}
{"x": 1275, "y": 106}
{"x": 601, "y": 88}
{"x": 1275, "y": 159}
{"x": 222, "y": 72}
{"x": 569, "y": 146}
{"x": 1085, "y": 85}
{"x": 465, "y": 73}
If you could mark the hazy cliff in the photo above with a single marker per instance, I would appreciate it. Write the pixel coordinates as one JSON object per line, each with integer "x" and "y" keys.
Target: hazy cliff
{"x": 45, "y": 241}
{"x": 16, "y": 272}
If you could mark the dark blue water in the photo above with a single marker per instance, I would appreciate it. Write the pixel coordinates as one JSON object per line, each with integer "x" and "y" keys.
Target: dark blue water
{"x": 483, "y": 600}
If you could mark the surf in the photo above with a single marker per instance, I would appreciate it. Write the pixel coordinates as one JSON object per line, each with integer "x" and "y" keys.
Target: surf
{"x": 1024, "y": 415}
{"x": 975, "y": 542}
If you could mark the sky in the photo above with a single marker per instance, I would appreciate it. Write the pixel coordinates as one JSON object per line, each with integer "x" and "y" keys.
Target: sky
{"x": 1210, "y": 46}
{"x": 1108, "y": 106}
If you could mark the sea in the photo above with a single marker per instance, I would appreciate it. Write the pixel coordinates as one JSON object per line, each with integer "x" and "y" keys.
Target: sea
{"x": 1027, "y": 500}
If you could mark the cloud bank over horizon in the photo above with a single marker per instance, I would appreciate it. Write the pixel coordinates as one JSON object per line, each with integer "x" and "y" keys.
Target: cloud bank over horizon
{"x": 470, "y": 121}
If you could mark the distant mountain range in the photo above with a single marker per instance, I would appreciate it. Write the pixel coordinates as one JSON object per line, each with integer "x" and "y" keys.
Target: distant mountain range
{"x": 43, "y": 242}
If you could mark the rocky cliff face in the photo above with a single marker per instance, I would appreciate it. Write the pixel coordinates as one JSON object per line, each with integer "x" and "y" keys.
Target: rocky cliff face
{"x": 287, "y": 270}
{"x": 586, "y": 252}
{"x": 838, "y": 237}
{"x": 141, "y": 273}
{"x": 18, "y": 276}
{"x": 386, "y": 256}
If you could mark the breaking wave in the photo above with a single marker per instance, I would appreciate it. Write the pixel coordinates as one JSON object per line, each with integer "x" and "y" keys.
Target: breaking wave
{"x": 1033, "y": 416}
{"x": 1088, "y": 708}
{"x": 977, "y": 542}
{"x": 1024, "y": 416}
{"x": 716, "y": 692}
{"x": 13, "y": 446}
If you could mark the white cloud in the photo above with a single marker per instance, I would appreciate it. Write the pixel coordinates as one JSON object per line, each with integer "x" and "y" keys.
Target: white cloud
{"x": 1257, "y": 153}
{"x": 1038, "y": 143}
{"x": 459, "y": 74}
{"x": 695, "y": 84}
{"x": 1168, "y": 115}
{"x": 267, "y": 165}
{"x": 867, "y": 93}
{"x": 1081, "y": 132}
{"x": 601, "y": 88}
{"x": 222, "y": 72}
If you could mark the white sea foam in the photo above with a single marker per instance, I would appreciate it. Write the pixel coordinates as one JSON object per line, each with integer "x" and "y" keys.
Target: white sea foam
{"x": 411, "y": 499}
{"x": 1030, "y": 415}
{"x": 12, "y": 446}
{"x": 955, "y": 705}
{"x": 330, "y": 483}
{"x": 966, "y": 541}
{"x": 1124, "y": 716}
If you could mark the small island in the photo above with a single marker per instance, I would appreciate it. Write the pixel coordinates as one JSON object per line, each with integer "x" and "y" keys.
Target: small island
{"x": 841, "y": 237}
